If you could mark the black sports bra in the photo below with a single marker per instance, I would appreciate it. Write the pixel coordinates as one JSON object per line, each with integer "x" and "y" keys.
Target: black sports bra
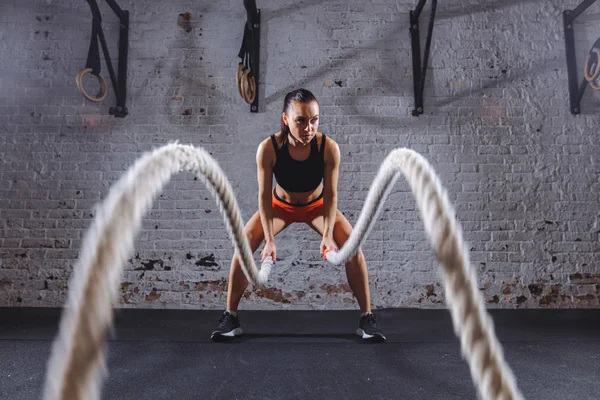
{"x": 299, "y": 176}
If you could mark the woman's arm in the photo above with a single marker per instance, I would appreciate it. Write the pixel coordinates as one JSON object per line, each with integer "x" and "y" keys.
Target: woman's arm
{"x": 330, "y": 182}
{"x": 265, "y": 159}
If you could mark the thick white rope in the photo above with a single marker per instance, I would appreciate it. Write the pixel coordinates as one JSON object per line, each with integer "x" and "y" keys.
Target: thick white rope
{"x": 472, "y": 324}
{"x": 77, "y": 366}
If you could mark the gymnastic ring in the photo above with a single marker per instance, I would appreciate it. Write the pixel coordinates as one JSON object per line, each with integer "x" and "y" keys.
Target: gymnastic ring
{"x": 245, "y": 82}
{"x": 238, "y": 77}
{"x": 102, "y": 91}
{"x": 593, "y": 85}
{"x": 250, "y": 94}
{"x": 594, "y": 76}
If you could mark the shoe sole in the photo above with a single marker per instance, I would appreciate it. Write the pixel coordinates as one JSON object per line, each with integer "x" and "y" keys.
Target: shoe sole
{"x": 218, "y": 336}
{"x": 372, "y": 338}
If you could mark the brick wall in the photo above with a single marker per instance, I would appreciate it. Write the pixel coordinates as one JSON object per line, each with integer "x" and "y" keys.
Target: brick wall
{"x": 521, "y": 171}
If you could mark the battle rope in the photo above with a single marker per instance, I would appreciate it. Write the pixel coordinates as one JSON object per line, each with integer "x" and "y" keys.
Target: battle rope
{"x": 77, "y": 366}
{"x": 471, "y": 322}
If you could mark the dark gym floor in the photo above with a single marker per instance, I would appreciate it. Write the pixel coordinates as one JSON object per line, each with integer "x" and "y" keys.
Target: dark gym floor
{"x": 167, "y": 354}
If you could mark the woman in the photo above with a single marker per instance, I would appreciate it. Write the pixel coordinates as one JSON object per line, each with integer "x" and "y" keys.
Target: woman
{"x": 305, "y": 164}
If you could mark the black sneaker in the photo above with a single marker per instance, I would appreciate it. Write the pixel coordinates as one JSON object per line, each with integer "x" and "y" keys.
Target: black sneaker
{"x": 229, "y": 327}
{"x": 368, "y": 328}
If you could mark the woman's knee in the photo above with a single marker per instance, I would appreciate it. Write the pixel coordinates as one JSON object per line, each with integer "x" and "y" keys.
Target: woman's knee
{"x": 254, "y": 239}
{"x": 254, "y": 232}
{"x": 356, "y": 259}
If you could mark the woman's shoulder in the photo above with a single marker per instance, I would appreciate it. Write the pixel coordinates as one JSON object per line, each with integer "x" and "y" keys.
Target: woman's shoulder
{"x": 276, "y": 135}
{"x": 269, "y": 139}
{"x": 329, "y": 141}
{"x": 275, "y": 138}
{"x": 321, "y": 135}
{"x": 266, "y": 148}
{"x": 331, "y": 149}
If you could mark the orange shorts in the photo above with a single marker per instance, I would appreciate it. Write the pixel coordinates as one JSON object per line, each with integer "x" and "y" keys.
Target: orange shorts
{"x": 298, "y": 213}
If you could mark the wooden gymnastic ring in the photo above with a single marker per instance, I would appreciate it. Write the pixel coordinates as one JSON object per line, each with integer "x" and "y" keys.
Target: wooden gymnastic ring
{"x": 238, "y": 77}
{"x": 594, "y": 76}
{"x": 102, "y": 91}
{"x": 250, "y": 94}
{"x": 244, "y": 84}
{"x": 248, "y": 87}
{"x": 593, "y": 85}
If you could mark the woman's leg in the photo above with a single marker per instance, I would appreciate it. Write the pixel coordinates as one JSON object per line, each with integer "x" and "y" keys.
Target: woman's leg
{"x": 356, "y": 267}
{"x": 254, "y": 232}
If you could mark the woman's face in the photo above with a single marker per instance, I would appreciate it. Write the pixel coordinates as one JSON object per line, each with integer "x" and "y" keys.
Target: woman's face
{"x": 303, "y": 120}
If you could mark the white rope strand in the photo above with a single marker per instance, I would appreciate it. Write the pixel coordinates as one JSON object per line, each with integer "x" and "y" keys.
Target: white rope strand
{"x": 472, "y": 324}
{"x": 77, "y": 367}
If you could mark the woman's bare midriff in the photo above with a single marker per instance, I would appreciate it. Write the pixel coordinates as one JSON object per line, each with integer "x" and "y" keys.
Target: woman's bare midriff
{"x": 298, "y": 198}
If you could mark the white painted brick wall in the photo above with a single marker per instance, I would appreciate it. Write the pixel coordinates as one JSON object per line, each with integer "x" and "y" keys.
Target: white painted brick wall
{"x": 522, "y": 172}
